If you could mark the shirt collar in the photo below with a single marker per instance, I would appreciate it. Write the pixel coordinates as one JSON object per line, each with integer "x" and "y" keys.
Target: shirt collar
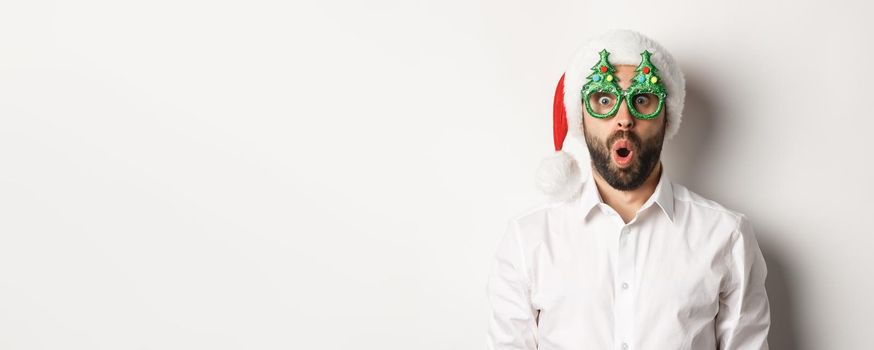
{"x": 663, "y": 195}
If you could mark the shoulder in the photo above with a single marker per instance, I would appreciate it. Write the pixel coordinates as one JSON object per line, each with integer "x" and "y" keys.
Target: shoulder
{"x": 729, "y": 228}
{"x": 533, "y": 224}
{"x": 706, "y": 218}
{"x": 697, "y": 206}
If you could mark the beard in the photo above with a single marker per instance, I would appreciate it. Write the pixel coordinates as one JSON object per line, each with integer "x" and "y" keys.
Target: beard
{"x": 646, "y": 156}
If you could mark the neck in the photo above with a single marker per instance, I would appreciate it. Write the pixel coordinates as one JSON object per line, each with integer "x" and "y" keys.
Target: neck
{"x": 627, "y": 202}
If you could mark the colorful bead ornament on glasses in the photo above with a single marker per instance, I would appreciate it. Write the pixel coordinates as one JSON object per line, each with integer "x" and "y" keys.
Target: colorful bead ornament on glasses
{"x": 602, "y": 81}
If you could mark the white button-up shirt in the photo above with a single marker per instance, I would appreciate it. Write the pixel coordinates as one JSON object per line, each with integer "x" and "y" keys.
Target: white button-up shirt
{"x": 685, "y": 273}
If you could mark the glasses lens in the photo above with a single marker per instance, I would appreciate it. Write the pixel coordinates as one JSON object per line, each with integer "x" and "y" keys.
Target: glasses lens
{"x": 645, "y": 103}
{"x": 602, "y": 102}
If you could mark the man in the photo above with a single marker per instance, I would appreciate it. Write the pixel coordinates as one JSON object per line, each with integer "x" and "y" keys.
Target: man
{"x": 625, "y": 259}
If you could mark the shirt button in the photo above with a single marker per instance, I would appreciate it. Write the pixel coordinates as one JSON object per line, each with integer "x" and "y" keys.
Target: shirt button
{"x": 624, "y": 230}
{"x": 624, "y": 346}
{"x": 624, "y": 285}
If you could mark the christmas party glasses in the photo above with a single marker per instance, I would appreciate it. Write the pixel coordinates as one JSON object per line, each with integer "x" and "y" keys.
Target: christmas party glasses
{"x": 645, "y": 97}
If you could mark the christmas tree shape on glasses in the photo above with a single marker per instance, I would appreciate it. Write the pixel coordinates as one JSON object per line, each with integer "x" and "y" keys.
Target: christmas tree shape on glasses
{"x": 646, "y": 84}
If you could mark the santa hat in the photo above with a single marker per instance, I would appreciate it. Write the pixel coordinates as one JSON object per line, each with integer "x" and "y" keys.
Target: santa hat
{"x": 559, "y": 174}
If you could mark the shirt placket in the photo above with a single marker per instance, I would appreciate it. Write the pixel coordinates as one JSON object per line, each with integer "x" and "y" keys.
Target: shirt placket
{"x": 624, "y": 308}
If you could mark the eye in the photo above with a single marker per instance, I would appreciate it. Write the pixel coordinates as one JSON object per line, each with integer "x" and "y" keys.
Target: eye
{"x": 601, "y": 102}
{"x": 641, "y": 100}
{"x": 645, "y": 103}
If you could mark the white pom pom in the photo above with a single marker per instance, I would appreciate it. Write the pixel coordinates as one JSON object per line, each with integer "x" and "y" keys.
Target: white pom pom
{"x": 558, "y": 175}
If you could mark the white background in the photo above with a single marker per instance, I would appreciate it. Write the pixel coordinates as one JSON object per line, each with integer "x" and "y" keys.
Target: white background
{"x": 273, "y": 175}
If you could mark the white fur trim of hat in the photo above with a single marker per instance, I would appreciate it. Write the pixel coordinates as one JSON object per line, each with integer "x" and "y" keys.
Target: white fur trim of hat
{"x": 559, "y": 174}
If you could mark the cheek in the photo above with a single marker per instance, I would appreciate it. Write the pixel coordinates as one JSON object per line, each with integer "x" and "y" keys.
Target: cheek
{"x": 651, "y": 126}
{"x": 593, "y": 124}
{"x": 599, "y": 128}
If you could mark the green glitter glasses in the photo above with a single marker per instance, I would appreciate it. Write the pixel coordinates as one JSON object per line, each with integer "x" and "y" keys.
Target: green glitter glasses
{"x": 645, "y": 97}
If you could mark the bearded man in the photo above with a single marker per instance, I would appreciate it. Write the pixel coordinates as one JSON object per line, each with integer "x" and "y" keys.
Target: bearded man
{"x": 623, "y": 258}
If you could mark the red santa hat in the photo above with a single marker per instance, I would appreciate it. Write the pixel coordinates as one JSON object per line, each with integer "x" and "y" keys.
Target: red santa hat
{"x": 559, "y": 174}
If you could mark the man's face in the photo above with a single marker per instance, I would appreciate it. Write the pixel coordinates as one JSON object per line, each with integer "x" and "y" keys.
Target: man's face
{"x": 624, "y": 150}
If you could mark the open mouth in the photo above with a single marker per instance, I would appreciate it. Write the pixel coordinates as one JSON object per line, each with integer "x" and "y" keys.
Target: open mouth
{"x": 623, "y": 153}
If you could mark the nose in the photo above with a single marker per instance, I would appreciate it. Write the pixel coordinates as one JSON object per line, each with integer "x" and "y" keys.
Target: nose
{"x": 624, "y": 119}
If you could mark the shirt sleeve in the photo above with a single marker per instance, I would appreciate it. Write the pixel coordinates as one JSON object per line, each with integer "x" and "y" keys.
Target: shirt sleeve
{"x": 743, "y": 319}
{"x": 513, "y": 320}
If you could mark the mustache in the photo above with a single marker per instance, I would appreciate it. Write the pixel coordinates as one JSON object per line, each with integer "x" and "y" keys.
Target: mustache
{"x": 635, "y": 140}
